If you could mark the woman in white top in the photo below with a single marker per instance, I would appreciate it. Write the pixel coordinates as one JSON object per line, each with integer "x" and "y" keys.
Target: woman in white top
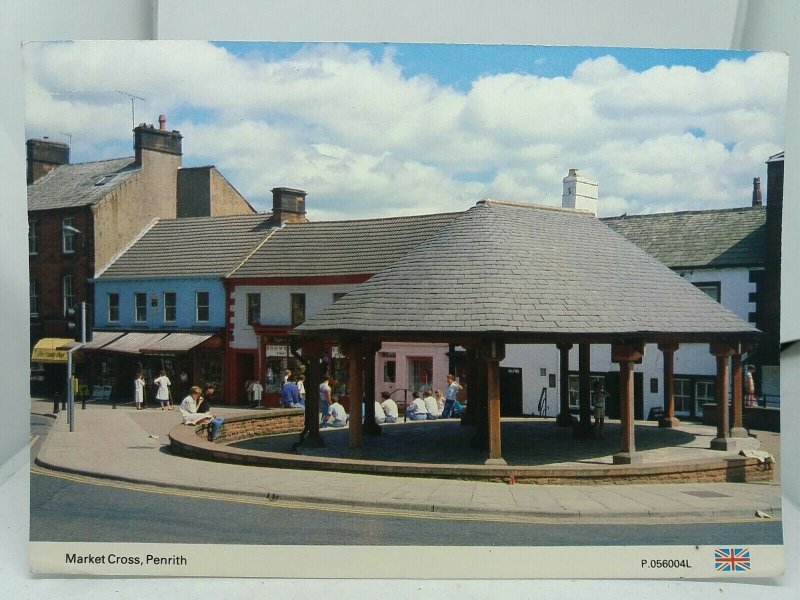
{"x": 138, "y": 390}
{"x": 162, "y": 382}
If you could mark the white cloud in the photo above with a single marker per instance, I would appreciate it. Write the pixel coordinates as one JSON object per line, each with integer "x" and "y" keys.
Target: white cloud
{"x": 365, "y": 140}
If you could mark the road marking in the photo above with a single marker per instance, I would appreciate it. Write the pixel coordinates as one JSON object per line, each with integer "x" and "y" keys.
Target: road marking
{"x": 369, "y": 510}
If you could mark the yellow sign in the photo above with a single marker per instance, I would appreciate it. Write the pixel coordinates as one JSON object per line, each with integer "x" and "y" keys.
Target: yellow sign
{"x": 46, "y": 350}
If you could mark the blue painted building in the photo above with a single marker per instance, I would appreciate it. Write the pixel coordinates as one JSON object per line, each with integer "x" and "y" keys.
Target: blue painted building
{"x": 160, "y": 305}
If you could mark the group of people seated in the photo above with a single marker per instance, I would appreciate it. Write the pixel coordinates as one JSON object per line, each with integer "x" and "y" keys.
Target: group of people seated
{"x": 432, "y": 405}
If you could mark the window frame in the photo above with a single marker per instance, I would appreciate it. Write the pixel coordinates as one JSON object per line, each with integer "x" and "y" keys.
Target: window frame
{"x": 173, "y": 307}
{"x": 113, "y": 307}
{"x": 33, "y": 294}
{"x": 253, "y": 304}
{"x": 198, "y": 306}
{"x": 708, "y": 285}
{"x": 68, "y": 238}
{"x": 67, "y": 292}
{"x": 33, "y": 237}
{"x": 137, "y": 306}
{"x": 295, "y": 309}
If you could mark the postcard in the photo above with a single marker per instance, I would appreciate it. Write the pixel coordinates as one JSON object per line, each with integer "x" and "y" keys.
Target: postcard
{"x": 504, "y": 305}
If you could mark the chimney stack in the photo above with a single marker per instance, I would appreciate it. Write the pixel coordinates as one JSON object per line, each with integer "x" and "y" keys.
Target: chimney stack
{"x": 147, "y": 138}
{"x": 579, "y": 192}
{"x": 43, "y": 156}
{"x": 288, "y": 206}
{"x": 757, "y": 191}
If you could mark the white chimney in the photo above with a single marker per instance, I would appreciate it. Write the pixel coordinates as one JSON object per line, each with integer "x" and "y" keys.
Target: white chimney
{"x": 579, "y": 192}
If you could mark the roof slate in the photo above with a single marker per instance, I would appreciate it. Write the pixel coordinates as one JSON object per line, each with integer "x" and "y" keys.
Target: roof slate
{"x": 191, "y": 247}
{"x": 710, "y": 238}
{"x": 522, "y": 269}
{"x": 71, "y": 186}
{"x": 341, "y": 247}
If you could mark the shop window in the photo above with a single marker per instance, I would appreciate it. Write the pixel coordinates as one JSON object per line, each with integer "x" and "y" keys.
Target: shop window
{"x": 170, "y": 307}
{"x": 202, "y": 307}
{"x": 140, "y": 300}
{"x": 574, "y": 388}
{"x": 704, "y": 393}
{"x": 253, "y": 309}
{"x": 683, "y": 396}
{"x": 113, "y": 308}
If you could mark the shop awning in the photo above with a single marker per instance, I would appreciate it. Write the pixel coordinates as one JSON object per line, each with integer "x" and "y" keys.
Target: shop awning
{"x": 177, "y": 342}
{"x": 51, "y": 350}
{"x": 101, "y": 338}
{"x": 133, "y": 343}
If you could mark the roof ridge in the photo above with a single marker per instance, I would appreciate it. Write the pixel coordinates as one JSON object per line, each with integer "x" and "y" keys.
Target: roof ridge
{"x": 381, "y": 219}
{"x": 685, "y": 212}
{"x": 91, "y": 162}
{"x": 252, "y": 252}
{"x": 490, "y": 201}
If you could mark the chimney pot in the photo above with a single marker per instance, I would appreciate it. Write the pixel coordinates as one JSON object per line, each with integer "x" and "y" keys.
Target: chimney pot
{"x": 162, "y": 122}
{"x": 757, "y": 191}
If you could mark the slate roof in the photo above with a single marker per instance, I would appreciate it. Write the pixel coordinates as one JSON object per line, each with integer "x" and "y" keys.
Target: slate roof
{"x": 190, "y": 247}
{"x": 732, "y": 237}
{"x": 528, "y": 272}
{"x": 71, "y": 186}
{"x": 362, "y": 246}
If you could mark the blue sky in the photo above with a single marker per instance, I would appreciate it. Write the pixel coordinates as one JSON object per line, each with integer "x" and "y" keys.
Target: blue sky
{"x": 391, "y": 129}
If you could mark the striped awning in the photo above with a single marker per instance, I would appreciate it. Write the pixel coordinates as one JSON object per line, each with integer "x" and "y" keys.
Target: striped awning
{"x": 177, "y": 342}
{"x": 133, "y": 343}
{"x": 51, "y": 350}
{"x": 101, "y": 338}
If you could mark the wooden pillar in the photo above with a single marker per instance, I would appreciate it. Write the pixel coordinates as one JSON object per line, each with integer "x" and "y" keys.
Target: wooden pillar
{"x": 737, "y": 428}
{"x": 564, "y": 418}
{"x": 722, "y": 352}
{"x": 370, "y": 426}
{"x": 471, "y": 415}
{"x": 310, "y": 436}
{"x": 584, "y": 427}
{"x": 669, "y": 419}
{"x": 626, "y": 355}
{"x": 495, "y": 352}
{"x": 355, "y": 353}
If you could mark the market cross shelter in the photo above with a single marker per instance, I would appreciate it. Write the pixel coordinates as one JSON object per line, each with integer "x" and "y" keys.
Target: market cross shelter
{"x": 511, "y": 273}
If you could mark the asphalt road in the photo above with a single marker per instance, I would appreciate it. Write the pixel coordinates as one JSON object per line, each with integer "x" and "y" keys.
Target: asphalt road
{"x": 81, "y": 509}
{"x": 68, "y": 508}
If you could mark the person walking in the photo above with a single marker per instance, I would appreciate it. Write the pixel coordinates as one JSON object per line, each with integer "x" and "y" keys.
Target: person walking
{"x": 163, "y": 384}
{"x": 138, "y": 390}
{"x": 599, "y": 398}
{"x": 301, "y": 388}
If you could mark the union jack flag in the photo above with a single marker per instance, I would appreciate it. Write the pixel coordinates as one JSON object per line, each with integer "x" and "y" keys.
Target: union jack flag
{"x": 730, "y": 560}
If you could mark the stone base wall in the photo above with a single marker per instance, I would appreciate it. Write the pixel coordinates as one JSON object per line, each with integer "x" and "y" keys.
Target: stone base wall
{"x": 195, "y": 444}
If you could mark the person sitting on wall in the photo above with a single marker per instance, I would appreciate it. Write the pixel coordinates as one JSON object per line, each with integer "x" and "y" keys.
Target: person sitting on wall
{"x": 290, "y": 395}
{"x": 191, "y": 416}
{"x": 416, "y": 411}
{"x": 204, "y": 402}
{"x": 380, "y": 416}
{"x": 431, "y": 406}
{"x": 439, "y": 401}
{"x": 338, "y": 415}
{"x": 389, "y": 407}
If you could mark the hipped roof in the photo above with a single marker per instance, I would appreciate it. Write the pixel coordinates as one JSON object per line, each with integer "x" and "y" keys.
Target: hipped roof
{"x": 528, "y": 273}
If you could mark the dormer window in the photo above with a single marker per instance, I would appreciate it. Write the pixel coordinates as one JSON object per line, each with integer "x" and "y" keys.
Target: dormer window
{"x": 105, "y": 179}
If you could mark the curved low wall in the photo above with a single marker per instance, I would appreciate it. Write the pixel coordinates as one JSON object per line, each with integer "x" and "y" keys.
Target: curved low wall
{"x": 193, "y": 442}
